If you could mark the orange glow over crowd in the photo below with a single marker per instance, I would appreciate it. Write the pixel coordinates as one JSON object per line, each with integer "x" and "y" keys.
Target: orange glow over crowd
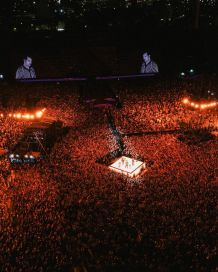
{"x": 201, "y": 106}
{"x": 70, "y": 213}
{"x": 26, "y": 116}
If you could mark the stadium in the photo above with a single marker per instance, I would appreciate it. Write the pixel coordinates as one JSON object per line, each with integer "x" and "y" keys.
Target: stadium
{"x": 78, "y": 208}
{"x": 108, "y": 136}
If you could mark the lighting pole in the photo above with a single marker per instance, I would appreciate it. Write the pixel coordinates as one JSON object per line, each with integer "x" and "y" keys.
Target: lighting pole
{"x": 196, "y": 13}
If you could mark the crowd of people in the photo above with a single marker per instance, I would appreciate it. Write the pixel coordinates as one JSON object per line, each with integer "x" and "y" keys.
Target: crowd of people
{"x": 70, "y": 213}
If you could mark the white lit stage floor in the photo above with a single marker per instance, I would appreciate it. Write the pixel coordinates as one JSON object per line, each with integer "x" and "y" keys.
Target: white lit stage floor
{"x": 128, "y": 166}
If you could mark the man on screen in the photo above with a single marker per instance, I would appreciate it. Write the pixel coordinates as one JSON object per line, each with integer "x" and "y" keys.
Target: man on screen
{"x": 26, "y": 71}
{"x": 148, "y": 65}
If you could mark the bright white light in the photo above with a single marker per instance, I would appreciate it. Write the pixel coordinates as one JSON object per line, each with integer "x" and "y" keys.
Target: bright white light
{"x": 128, "y": 166}
{"x": 60, "y": 29}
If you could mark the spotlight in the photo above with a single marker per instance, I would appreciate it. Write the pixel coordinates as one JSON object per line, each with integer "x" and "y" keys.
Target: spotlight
{"x": 201, "y": 105}
{"x": 185, "y": 101}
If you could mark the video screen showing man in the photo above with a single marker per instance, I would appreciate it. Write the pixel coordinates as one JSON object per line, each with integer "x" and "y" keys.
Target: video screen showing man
{"x": 148, "y": 65}
{"x": 26, "y": 71}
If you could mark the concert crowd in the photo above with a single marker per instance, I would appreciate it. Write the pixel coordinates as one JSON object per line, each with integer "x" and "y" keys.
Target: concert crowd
{"x": 70, "y": 213}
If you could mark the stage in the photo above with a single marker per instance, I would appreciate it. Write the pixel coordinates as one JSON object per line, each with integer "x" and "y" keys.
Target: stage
{"x": 128, "y": 166}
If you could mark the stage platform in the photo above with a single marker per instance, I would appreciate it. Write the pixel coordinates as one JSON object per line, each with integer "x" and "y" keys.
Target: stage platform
{"x": 128, "y": 166}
